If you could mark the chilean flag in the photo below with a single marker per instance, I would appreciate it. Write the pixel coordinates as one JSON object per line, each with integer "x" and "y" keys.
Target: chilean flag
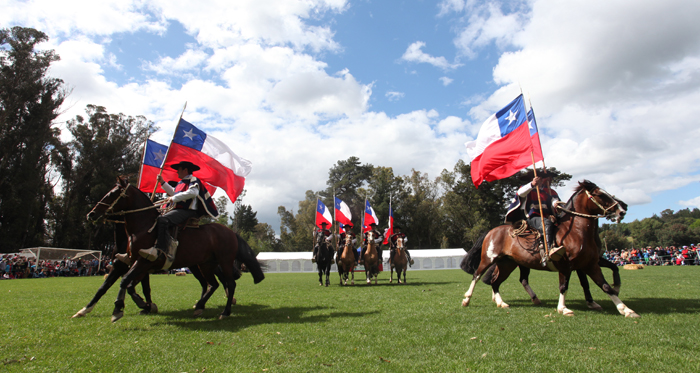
{"x": 153, "y": 157}
{"x": 322, "y": 214}
{"x": 390, "y": 230}
{"x": 370, "y": 217}
{"x": 534, "y": 136}
{"x": 220, "y": 166}
{"x": 342, "y": 212}
{"x": 503, "y": 145}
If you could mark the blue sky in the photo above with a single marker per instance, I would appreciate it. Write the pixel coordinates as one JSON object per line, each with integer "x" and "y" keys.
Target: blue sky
{"x": 295, "y": 86}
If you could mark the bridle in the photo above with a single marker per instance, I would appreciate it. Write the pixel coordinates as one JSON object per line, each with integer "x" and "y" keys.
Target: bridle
{"x": 110, "y": 207}
{"x": 606, "y": 211}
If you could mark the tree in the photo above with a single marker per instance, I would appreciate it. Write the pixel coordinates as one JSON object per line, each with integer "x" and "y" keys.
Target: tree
{"x": 29, "y": 103}
{"x": 346, "y": 178}
{"x": 296, "y": 231}
{"x": 103, "y": 147}
{"x": 245, "y": 219}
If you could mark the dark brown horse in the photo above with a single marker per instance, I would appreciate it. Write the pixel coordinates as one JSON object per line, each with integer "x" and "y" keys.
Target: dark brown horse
{"x": 206, "y": 247}
{"x": 399, "y": 263}
{"x": 371, "y": 259}
{"x": 577, "y": 232}
{"x": 324, "y": 260}
{"x": 346, "y": 262}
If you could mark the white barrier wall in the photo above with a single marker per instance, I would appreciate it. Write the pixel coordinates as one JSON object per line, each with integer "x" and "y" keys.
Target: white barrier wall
{"x": 301, "y": 261}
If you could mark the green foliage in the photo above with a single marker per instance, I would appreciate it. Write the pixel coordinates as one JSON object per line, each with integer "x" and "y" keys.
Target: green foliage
{"x": 29, "y": 142}
{"x": 103, "y": 146}
{"x": 288, "y": 323}
{"x": 669, "y": 229}
{"x": 296, "y": 230}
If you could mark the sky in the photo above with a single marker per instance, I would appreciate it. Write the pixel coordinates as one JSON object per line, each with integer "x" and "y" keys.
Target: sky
{"x": 296, "y": 85}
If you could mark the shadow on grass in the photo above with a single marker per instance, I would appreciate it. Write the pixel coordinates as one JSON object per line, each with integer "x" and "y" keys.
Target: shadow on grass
{"x": 648, "y": 306}
{"x": 243, "y": 316}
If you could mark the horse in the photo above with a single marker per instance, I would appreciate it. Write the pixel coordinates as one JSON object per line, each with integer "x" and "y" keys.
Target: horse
{"x": 346, "y": 262}
{"x": 207, "y": 247}
{"x": 324, "y": 260}
{"x": 400, "y": 262}
{"x": 371, "y": 259}
{"x": 120, "y": 268}
{"x": 577, "y": 232}
{"x": 492, "y": 273}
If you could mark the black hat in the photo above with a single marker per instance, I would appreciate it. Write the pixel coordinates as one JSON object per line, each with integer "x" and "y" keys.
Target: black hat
{"x": 346, "y": 226}
{"x": 397, "y": 227}
{"x": 372, "y": 223}
{"x": 530, "y": 174}
{"x": 185, "y": 164}
{"x": 324, "y": 223}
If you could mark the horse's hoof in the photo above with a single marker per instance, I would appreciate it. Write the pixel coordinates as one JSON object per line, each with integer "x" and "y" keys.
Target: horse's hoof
{"x": 594, "y": 306}
{"x": 566, "y": 312}
{"x": 221, "y": 317}
{"x": 631, "y": 314}
{"x": 504, "y": 305}
{"x": 536, "y": 301}
{"x": 198, "y": 312}
{"x": 154, "y": 308}
{"x": 320, "y": 284}
{"x": 83, "y": 312}
{"x": 465, "y": 302}
{"x": 117, "y": 316}
{"x": 233, "y": 301}
{"x": 145, "y": 312}
{"x": 390, "y": 280}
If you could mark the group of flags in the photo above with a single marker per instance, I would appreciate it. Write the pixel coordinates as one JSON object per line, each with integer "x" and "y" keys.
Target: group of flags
{"x": 507, "y": 142}
{"x": 219, "y": 166}
{"x": 343, "y": 215}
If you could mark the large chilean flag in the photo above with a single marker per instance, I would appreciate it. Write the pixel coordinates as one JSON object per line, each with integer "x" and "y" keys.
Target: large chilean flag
{"x": 390, "y": 229}
{"x": 153, "y": 157}
{"x": 220, "y": 166}
{"x": 342, "y": 212}
{"x": 322, "y": 214}
{"x": 503, "y": 146}
{"x": 370, "y": 217}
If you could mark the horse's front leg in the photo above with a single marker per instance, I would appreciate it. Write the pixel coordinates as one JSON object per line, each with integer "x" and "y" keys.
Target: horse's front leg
{"x": 563, "y": 287}
{"x": 118, "y": 270}
{"x": 602, "y": 262}
{"x": 130, "y": 279}
{"x": 587, "y": 291}
{"x": 483, "y": 267}
{"x": 597, "y": 277}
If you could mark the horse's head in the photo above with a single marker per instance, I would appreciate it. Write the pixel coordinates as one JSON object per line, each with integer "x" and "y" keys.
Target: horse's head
{"x": 399, "y": 242}
{"x": 113, "y": 201}
{"x": 601, "y": 202}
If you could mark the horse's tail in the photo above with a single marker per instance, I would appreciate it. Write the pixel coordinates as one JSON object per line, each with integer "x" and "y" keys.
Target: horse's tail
{"x": 246, "y": 255}
{"x": 472, "y": 260}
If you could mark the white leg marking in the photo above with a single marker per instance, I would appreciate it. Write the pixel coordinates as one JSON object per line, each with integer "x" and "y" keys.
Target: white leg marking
{"x": 561, "y": 308}
{"x": 624, "y": 310}
{"x": 468, "y": 294}
{"x": 499, "y": 302}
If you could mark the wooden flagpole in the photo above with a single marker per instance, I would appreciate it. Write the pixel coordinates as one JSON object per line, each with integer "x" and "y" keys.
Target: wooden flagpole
{"x": 168, "y": 151}
{"x": 336, "y": 232}
{"x": 539, "y": 201}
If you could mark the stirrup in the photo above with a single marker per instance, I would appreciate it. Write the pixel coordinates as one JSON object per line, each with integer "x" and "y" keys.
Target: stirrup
{"x": 150, "y": 254}
{"x": 556, "y": 252}
{"x": 124, "y": 258}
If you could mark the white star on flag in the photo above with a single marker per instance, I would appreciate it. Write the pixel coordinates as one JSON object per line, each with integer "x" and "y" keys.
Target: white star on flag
{"x": 190, "y": 135}
{"x": 511, "y": 117}
{"x": 159, "y": 156}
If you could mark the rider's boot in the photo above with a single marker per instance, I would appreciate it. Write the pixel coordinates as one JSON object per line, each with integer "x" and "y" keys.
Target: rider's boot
{"x": 162, "y": 242}
{"x": 410, "y": 260}
{"x": 123, "y": 258}
{"x": 362, "y": 256}
{"x": 313, "y": 258}
{"x": 555, "y": 253}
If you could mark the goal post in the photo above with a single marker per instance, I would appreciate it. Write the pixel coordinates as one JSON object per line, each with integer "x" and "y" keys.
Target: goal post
{"x": 54, "y": 253}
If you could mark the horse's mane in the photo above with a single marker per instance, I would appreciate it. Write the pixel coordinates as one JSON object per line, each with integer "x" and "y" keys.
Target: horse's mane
{"x": 582, "y": 186}
{"x": 140, "y": 197}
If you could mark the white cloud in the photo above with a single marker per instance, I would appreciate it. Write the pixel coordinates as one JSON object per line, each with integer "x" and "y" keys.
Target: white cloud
{"x": 446, "y": 81}
{"x": 414, "y": 53}
{"x": 615, "y": 87}
{"x": 485, "y": 24}
{"x": 185, "y": 62}
{"x": 695, "y": 202}
{"x": 394, "y": 96}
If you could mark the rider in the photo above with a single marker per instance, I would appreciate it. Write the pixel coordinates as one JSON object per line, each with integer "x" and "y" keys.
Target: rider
{"x": 318, "y": 233}
{"x": 343, "y": 236}
{"x": 378, "y": 238}
{"x": 528, "y": 202}
{"x": 187, "y": 195}
{"x": 392, "y": 241}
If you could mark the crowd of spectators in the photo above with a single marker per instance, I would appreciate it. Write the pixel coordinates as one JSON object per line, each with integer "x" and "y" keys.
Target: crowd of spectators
{"x": 657, "y": 256}
{"x": 14, "y": 266}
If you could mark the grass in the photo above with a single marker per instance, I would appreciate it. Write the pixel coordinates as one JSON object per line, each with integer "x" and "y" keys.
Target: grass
{"x": 288, "y": 323}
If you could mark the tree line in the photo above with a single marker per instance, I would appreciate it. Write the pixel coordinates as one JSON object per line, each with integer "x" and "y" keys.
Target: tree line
{"x": 47, "y": 185}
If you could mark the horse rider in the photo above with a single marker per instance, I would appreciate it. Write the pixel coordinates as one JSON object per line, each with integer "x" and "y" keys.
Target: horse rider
{"x": 344, "y": 236}
{"x": 319, "y": 234}
{"x": 378, "y": 238}
{"x": 187, "y": 196}
{"x": 392, "y": 242}
{"x": 528, "y": 204}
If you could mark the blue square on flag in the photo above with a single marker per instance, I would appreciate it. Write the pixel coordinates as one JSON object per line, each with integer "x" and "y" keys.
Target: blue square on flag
{"x": 189, "y": 136}
{"x": 155, "y": 154}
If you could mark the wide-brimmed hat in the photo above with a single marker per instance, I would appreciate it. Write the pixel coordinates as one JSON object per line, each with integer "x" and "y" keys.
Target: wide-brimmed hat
{"x": 530, "y": 174}
{"x": 324, "y": 223}
{"x": 346, "y": 226}
{"x": 397, "y": 227}
{"x": 185, "y": 164}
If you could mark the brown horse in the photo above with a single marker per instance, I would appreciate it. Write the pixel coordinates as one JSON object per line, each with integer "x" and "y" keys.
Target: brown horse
{"x": 207, "y": 247}
{"x": 577, "y": 232}
{"x": 400, "y": 262}
{"x": 371, "y": 259}
{"x": 346, "y": 262}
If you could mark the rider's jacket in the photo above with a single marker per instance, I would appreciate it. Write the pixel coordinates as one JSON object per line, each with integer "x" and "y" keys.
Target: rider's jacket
{"x": 191, "y": 194}
{"x": 395, "y": 236}
{"x": 524, "y": 204}
{"x": 322, "y": 233}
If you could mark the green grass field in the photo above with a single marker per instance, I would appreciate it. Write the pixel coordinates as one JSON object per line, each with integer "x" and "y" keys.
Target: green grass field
{"x": 288, "y": 323}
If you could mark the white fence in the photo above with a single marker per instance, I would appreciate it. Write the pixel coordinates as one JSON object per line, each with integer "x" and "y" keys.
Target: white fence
{"x": 284, "y": 262}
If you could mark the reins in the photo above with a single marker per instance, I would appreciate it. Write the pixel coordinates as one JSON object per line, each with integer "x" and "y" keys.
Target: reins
{"x": 108, "y": 211}
{"x": 590, "y": 197}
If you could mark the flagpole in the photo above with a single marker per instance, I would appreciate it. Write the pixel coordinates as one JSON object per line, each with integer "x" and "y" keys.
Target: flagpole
{"x": 539, "y": 201}
{"x": 143, "y": 158}
{"x": 168, "y": 151}
{"x": 337, "y": 232}
{"x": 313, "y": 244}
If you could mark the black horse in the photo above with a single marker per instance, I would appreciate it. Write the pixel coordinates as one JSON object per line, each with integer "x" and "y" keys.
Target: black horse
{"x": 324, "y": 260}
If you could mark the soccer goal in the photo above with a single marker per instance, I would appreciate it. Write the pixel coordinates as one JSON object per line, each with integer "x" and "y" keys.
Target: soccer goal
{"x": 53, "y": 253}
